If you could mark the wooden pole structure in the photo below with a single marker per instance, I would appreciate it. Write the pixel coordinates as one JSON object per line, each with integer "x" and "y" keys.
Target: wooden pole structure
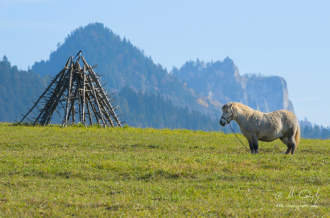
{"x": 84, "y": 93}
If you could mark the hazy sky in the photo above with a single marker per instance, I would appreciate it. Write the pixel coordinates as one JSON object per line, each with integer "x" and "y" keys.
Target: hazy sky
{"x": 280, "y": 37}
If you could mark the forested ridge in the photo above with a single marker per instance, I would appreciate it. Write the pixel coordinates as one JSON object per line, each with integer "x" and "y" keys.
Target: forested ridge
{"x": 17, "y": 90}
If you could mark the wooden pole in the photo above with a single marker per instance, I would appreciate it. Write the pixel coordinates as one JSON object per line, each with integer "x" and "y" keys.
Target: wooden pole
{"x": 74, "y": 97}
{"x": 65, "y": 122}
{"x": 89, "y": 113}
{"x": 96, "y": 115}
{"x": 84, "y": 95}
{"x": 106, "y": 113}
{"x": 96, "y": 101}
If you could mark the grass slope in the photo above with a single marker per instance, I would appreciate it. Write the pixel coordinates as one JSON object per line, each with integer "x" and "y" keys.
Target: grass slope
{"x": 59, "y": 172}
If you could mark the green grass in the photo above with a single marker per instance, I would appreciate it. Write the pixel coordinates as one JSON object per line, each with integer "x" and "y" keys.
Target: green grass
{"x": 78, "y": 171}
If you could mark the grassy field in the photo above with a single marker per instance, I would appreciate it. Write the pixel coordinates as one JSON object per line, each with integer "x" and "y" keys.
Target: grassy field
{"x": 78, "y": 171}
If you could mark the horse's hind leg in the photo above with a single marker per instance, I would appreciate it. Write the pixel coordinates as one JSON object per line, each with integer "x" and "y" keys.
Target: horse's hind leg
{"x": 286, "y": 141}
{"x": 292, "y": 145}
{"x": 290, "y": 142}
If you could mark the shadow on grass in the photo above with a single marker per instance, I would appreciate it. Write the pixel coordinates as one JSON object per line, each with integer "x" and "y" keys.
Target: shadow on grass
{"x": 158, "y": 175}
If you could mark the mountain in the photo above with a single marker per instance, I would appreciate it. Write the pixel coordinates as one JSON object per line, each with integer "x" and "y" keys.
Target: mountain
{"x": 267, "y": 93}
{"x": 221, "y": 82}
{"x": 121, "y": 64}
{"x": 17, "y": 89}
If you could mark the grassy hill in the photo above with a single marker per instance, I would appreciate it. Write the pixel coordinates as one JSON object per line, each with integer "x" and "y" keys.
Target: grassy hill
{"x": 58, "y": 172}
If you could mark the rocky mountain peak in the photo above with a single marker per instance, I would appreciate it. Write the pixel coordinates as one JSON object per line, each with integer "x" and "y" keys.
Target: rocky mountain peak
{"x": 221, "y": 82}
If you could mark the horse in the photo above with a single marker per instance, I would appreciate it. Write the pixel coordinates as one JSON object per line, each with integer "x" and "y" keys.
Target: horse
{"x": 265, "y": 127}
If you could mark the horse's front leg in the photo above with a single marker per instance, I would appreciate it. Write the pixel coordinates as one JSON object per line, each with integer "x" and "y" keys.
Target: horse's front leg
{"x": 251, "y": 146}
{"x": 253, "y": 143}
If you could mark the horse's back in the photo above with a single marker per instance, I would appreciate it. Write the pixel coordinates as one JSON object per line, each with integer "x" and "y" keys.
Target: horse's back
{"x": 287, "y": 117}
{"x": 276, "y": 124}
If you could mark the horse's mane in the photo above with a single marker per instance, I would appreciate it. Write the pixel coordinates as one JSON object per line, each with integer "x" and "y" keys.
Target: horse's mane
{"x": 237, "y": 104}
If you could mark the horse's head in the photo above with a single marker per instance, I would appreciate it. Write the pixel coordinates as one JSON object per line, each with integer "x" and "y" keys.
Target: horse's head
{"x": 227, "y": 114}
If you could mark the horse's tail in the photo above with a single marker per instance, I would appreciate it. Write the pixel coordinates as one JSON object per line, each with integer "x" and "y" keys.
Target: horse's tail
{"x": 297, "y": 136}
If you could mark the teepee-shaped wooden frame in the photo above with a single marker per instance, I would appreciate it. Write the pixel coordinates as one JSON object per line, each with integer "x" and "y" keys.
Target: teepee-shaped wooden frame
{"x": 78, "y": 91}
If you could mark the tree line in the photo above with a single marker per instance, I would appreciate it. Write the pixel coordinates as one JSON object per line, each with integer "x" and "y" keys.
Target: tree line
{"x": 315, "y": 132}
{"x": 152, "y": 110}
{"x": 139, "y": 109}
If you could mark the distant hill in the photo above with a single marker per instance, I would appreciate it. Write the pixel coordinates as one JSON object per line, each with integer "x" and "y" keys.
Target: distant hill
{"x": 221, "y": 82}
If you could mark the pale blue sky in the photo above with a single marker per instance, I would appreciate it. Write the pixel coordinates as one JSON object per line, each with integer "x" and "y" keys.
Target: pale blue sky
{"x": 280, "y": 37}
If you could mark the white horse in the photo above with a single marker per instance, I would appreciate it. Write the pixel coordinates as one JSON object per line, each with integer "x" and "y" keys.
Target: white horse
{"x": 266, "y": 127}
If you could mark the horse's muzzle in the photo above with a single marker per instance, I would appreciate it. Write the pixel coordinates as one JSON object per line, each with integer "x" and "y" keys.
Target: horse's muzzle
{"x": 222, "y": 122}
